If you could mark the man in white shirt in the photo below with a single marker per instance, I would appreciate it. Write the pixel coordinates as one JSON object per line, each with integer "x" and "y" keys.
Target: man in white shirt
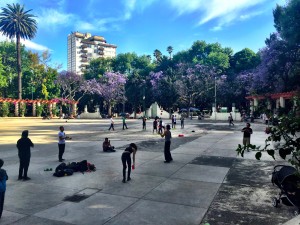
{"x": 111, "y": 124}
{"x": 61, "y": 143}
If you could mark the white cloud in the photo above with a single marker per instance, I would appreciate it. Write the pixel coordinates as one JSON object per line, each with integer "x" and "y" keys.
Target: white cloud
{"x": 225, "y": 12}
{"x": 28, "y": 44}
{"x": 34, "y": 46}
{"x": 51, "y": 18}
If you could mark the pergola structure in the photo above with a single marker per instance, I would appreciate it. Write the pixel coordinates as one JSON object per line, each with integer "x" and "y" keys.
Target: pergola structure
{"x": 51, "y": 104}
{"x": 279, "y": 98}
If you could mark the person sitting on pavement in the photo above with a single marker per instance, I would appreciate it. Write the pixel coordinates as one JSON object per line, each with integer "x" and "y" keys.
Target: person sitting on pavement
{"x": 107, "y": 147}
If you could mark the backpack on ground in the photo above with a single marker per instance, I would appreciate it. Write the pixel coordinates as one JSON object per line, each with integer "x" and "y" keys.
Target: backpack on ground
{"x": 82, "y": 166}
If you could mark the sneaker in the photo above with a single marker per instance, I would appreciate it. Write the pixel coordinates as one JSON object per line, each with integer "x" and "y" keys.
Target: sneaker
{"x": 26, "y": 178}
{"x": 123, "y": 181}
{"x": 20, "y": 178}
{"x": 166, "y": 161}
{"x": 128, "y": 179}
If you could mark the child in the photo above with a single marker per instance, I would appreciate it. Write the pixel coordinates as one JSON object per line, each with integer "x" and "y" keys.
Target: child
{"x": 3, "y": 179}
{"x": 126, "y": 159}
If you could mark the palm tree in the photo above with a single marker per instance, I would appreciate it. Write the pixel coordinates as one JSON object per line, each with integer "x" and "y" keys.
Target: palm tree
{"x": 157, "y": 54}
{"x": 17, "y": 23}
{"x": 170, "y": 50}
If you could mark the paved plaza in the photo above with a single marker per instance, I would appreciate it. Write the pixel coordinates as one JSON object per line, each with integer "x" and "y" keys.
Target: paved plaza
{"x": 206, "y": 182}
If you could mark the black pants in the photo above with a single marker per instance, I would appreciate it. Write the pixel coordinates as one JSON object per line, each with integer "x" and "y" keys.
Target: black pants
{"x": 144, "y": 126}
{"x": 182, "y": 124}
{"x": 111, "y": 126}
{"x": 61, "y": 150}
{"x": 124, "y": 125}
{"x": 126, "y": 159}
{"x": 2, "y": 195}
{"x": 167, "y": 151}
{"x": 23, "y": 168}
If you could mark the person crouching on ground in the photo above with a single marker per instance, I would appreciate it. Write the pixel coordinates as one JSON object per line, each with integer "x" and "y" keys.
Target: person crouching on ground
{"x": 23, "y": 145}
{"x": 167, "y": 134}
{"x": 3, "y": 179}
{"x": 107, "y": 147}
{"x": 126, "y": 160}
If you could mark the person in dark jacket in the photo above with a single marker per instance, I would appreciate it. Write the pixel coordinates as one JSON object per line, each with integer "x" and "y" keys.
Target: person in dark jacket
{"x": 3, "y": 179}
{"x": 23, "y": 145}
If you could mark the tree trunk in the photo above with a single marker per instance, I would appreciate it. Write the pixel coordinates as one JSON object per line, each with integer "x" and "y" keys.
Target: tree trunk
{"x": 19, "y": 67}
{"x": 109, "y": 109}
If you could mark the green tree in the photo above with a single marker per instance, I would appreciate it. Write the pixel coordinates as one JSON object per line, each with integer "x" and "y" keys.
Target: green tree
{"x": 170, "y": 50}
{"x": 287, "y": 21}
{"x": 97, "y": 68}
{"x": 3, "y": 78}
{"x": 18, "y": 23}
{"x": 158, "y": 55}
{"x": 245, "y": 59}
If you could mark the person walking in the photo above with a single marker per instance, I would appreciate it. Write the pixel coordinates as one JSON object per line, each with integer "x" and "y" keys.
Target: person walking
{"x": 112, "y": 124}
{"x": 155, "y": 125}
{"x": 167, "y": 134}
{"x": 124, "y": 123}
{"x": 182, "y": 121}
{"x": 3, "y": 179}
{"x": 230, "y": 119}
{"x": 61, "y": 143}
{"x": 23, "y": 145}
{"x": 126, "y": 160}
{"x": 172, "y": 121}
{"x": 246, "y": 137}
{"x": 144, "y": 123}
{"x": 160, "y": 126}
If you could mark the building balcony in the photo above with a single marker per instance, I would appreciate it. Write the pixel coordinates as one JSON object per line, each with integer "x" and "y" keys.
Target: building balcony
{"x": 84, "y": 51}
{"x": 83, "y": 56}
{"x": 101, "y": 53}
{"x": 84, "y": 46}
{"x": 83, "y": 60}
{"x": 101, "y": 48}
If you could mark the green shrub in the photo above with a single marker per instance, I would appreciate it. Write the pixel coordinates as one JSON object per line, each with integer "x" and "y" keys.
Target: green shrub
{"x": 22, "y": 109}
{"x": 4, "y": 109}
{"x": 39, "y": 110}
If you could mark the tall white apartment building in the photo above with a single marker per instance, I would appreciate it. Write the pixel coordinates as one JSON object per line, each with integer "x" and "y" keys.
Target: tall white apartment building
{"x": 83, "y": 47}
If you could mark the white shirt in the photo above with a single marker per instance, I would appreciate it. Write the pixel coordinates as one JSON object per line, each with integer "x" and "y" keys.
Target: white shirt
{"x": 111, "y": 120}
{"x": 63, "y": 135}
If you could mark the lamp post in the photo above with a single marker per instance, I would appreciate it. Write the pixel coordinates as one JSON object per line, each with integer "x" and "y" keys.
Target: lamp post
{"x": 215, "y": 98}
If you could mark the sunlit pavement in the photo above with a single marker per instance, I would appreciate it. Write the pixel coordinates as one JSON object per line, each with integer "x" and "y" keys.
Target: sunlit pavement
{"x": 206, "y": 182}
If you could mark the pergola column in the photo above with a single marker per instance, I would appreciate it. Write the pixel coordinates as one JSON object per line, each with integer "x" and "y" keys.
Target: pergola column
{"x": 74, "y": 109}
{"x": 33, "y": 109}
{"x": 17, "y": 109}
{"x": 282, "y": 102}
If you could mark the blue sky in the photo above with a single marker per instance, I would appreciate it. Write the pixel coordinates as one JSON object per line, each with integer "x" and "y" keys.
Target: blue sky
{"x": 141, "y": 26}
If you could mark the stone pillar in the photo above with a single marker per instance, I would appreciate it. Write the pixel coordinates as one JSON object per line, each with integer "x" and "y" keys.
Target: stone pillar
{"x": 252, "y": 106}
{"x": 50, "y": 108}
{"x": 269, "y": 106}
{"x": 33, "y": 109}
{"x": 233, "y": 111}
{"x": 38, "y": 105}
{"x": 17, "y": 109}
{"x": 85, "y": 109}
{"x": 54, "y": 107}
{"x": 282, "y": 102}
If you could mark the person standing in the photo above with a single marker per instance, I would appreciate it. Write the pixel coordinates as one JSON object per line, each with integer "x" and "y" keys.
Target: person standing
{"x": 124, "y": 123}
{"x": 144, "y": 123}
{"x": 247, "y": 134}
{"x": 112, "y": 124}
{"x": 182, "y": 121}
{"x": 23, "y": 145}
{"x": 126, "y": 160}
{"x": 3, "y": 179}
{"x": 61, "y": 143}
{"x": 174, "y": 121}
{"x": 167, "y": 134}
{"x": 160, "y": 126}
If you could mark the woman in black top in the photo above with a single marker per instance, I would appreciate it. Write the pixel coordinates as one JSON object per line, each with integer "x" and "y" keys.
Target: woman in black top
{"x": 126, "y": 158}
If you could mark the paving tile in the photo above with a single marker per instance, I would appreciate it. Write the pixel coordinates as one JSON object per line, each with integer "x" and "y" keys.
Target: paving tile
{"x": 33, "y": 220}
{"x": 9, "y": 217}
{"x": 150, "y": 212}
{"x": 235, "y": 204}
{"x": 185, "y": 192}
{"x": 202, "y": 173}
{"x": 97, "y": 209}
{"x": 213, "y": 161}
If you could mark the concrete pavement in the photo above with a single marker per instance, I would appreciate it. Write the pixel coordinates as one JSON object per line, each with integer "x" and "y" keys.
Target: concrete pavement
{"x": 206, "y": 182}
